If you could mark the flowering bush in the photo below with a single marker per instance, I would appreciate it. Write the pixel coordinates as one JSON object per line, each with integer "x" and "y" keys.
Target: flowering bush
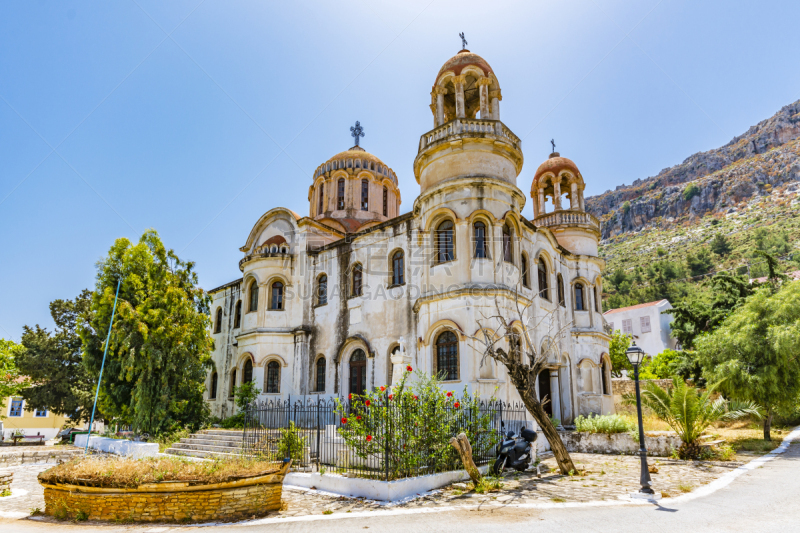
{"x": 408, "y": 427}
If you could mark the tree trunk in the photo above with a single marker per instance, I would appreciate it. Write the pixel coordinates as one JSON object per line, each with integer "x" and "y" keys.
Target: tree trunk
{"x": 767, "y": 424}
{"x": 560, "y": 452}
{"x": 461, "y": 443}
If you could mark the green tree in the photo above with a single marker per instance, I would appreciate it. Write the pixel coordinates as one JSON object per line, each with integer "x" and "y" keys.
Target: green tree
{"x": 674, "y": 363}
{"x": 11, "y": 382}
{"x": 160, "y": 343}
{"x": 54, "y": 362}
{"x": 620, "y": 342}
{"x": 700, "y": 262}
{"x": 754, "y": 352}
{"x": 720, "y": 245}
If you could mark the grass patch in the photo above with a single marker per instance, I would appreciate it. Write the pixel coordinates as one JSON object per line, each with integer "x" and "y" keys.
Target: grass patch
{"x": 6, "y": 492}
{"x": 488, "y": 484}
{"x": 685, "y": 487}
{"x": 130, "y": 473}
{"x": 558, "y": 500}
{"x": 327, "y": 511}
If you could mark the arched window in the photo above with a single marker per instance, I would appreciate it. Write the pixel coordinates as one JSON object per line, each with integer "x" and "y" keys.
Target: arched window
{"x": 560, "y": 289}
{"x": 526, "y": 282}
{"x": 358, "y": 280}
{"x": 320, "y": 385}
{"x": 340, "y": 194}
{"x": 277, "y": 296}
{"x": 479, "y": 230}
{"x": 212, "y": 393}
{"x": 508, "y": 243}
{"x": 385, "y": 202}
{"x": 544, "y": 291}
{"x": 398, "y": 267}
{"x": 364, "y": 195}
{"x": 322, "y": 290}
{"x": 253, "y": 297}
{"x": 579, "y": 303}
{"x": 321, "y": 200}
{"x": 233, "y": 383}
{"x": 237, "y": 317}
{"x": 598, "y": 299}
{"x": 218, "y": 323}
{"x": 447, "y": 356}
{"x": 247, "y": 372}
{"x": 273, "y": 380}
{"x": 604, "y": 376}
{"x": 444, "y": 242}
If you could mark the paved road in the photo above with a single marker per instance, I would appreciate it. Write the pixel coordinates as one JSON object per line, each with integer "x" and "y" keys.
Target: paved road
{"x": 765, "y": 499}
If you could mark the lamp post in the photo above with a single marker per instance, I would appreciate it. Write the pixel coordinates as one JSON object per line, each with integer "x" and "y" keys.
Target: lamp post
{"x": 635, "y": 356}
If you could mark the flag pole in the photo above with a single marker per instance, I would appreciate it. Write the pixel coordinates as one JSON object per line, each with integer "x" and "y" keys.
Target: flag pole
{"x": 102, "y": 366}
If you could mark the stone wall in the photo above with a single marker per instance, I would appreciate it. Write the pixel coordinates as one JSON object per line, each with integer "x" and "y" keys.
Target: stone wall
{"x": 38, "y": 455}
{"x": 222, "y": 501}
{"x": 621, "y": 387}
{"x": 657, "y": 443}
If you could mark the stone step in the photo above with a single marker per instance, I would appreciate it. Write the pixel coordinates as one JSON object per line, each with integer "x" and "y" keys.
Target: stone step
{"x": 199, "y": 454}
{"x": 199, "y": 439}
{"x": 206, "y": 448}
{"x": 222, "y": 432}
{"x": 712, "y": 443}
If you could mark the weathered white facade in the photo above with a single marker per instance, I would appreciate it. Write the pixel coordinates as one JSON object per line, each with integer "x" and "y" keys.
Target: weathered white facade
{"x": 345, "y": 298}
{"x": 647, "y": 324}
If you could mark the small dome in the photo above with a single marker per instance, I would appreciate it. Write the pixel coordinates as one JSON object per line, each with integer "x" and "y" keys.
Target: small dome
{"x": 356, "y": 153}
{"x": 555, "y": 164}
{"x": 462, "y": 60}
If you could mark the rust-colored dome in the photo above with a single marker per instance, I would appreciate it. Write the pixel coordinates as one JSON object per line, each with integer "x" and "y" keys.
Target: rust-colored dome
{"x": 462, "y": 60}
{"x": 555, "y": 164}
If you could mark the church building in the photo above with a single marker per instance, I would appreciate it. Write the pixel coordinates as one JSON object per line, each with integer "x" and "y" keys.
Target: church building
{"x": 343, "y": 299}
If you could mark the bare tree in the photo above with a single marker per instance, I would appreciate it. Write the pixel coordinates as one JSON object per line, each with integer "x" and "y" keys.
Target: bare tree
{"x": 522, "y": 361}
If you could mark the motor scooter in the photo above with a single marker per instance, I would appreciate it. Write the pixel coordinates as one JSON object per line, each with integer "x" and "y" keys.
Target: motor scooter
{"x": 514, "y": 452}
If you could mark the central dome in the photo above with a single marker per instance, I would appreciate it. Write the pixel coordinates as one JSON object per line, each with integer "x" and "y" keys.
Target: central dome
{"x": 462, "y": 60}
{"x": 359, "y": 158}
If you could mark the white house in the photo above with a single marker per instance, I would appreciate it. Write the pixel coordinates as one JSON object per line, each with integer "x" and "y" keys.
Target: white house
{"x": 650, "y": 328}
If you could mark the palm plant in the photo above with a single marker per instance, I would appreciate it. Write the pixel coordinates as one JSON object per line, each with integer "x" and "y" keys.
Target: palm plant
{"x": 689, "y": 411}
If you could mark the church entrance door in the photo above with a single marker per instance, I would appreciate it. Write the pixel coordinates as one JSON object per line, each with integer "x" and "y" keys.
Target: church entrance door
{"x": 544, "y": 391}
{"x": 358, "y": 372}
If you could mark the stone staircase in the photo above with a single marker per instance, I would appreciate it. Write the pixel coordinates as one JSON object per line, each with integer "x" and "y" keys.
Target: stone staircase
{"x": 209, "y": 443}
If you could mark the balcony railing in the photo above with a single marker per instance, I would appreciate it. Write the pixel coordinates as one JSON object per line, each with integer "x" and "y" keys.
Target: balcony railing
{"x": 567, "y": 218}
{"x": 467, "y": 126}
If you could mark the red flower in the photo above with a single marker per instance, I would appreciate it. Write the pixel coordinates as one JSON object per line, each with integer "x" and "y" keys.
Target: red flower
{"x": 456, "y": 405}
{"x": 350, "y": 396}
{"x": 369, "y": 438}
{"x": 391, "y": 396}
{"x": 344, "y": 420}
{"x": 358, "y": 417}
{"x": 416, "y": 397}
{"x": 383, "y": 388}
{"x": 366, "y": 403}
{"x": 449, "y": 394}
{"x": 409, "y": 369}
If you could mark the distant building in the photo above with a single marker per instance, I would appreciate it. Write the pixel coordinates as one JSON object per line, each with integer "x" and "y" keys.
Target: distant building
{"x": 645, "y": 322}
{"x": 29, "y": 422}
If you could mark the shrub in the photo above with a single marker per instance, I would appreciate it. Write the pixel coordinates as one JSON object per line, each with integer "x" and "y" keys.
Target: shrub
{"x": 691, "y": 191}
{"x": 626, "y": 206}
{"x": 409, "y": 427}
{"x": 607, "y": 424}
{"x": 291, "y": 443}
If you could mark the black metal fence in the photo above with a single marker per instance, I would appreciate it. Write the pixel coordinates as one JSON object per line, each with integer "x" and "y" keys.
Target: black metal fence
{"x": 389, "y": 440}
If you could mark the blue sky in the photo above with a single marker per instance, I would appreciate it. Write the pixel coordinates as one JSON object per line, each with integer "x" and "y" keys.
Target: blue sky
{"x": 196, "y": 117}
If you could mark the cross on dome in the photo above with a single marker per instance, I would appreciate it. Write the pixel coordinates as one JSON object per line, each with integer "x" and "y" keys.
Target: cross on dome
{"x": 357, "y": 131}
{"x": 463, "y": 41}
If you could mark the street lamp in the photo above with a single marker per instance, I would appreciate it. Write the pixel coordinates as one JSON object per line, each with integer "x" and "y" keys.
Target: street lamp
{"x": 635, "y": 356}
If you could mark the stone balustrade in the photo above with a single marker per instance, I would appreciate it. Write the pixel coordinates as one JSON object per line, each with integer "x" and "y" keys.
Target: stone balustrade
{"x": 466, "y": 126}
{"x": 567, "y": 218}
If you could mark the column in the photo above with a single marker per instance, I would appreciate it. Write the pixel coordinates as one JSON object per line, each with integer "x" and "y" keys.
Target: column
{"x": 495, "y": 96}
{"x": 556, "y": 194}
{"x": 400, "y": 360}
{"x": 573, "y": 198}
{"x": 555, "y": 393}
{"x": 580, "y": 200}
{"x": 459, "y": 83}
{"x": 483, "y": 91}
{"x": 541, "y": 202}
{"x": 535, "y": 207}
{"x": 440, "y": 105}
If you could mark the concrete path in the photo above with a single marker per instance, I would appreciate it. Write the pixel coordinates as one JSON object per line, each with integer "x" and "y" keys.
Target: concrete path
{"x": 766, "y": 498}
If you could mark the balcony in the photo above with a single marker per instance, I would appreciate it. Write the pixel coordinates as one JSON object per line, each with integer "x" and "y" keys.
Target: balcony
{"x": 567, "y": 218}
{"x": 469, "y": 127}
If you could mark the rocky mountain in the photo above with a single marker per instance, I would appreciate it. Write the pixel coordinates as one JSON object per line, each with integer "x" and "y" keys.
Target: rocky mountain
{"x": 719, "y": 180}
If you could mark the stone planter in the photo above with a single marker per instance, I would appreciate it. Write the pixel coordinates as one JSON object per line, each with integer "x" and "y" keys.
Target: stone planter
{"x": 168, "y": 501}
{"x": 657, "y": 443}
